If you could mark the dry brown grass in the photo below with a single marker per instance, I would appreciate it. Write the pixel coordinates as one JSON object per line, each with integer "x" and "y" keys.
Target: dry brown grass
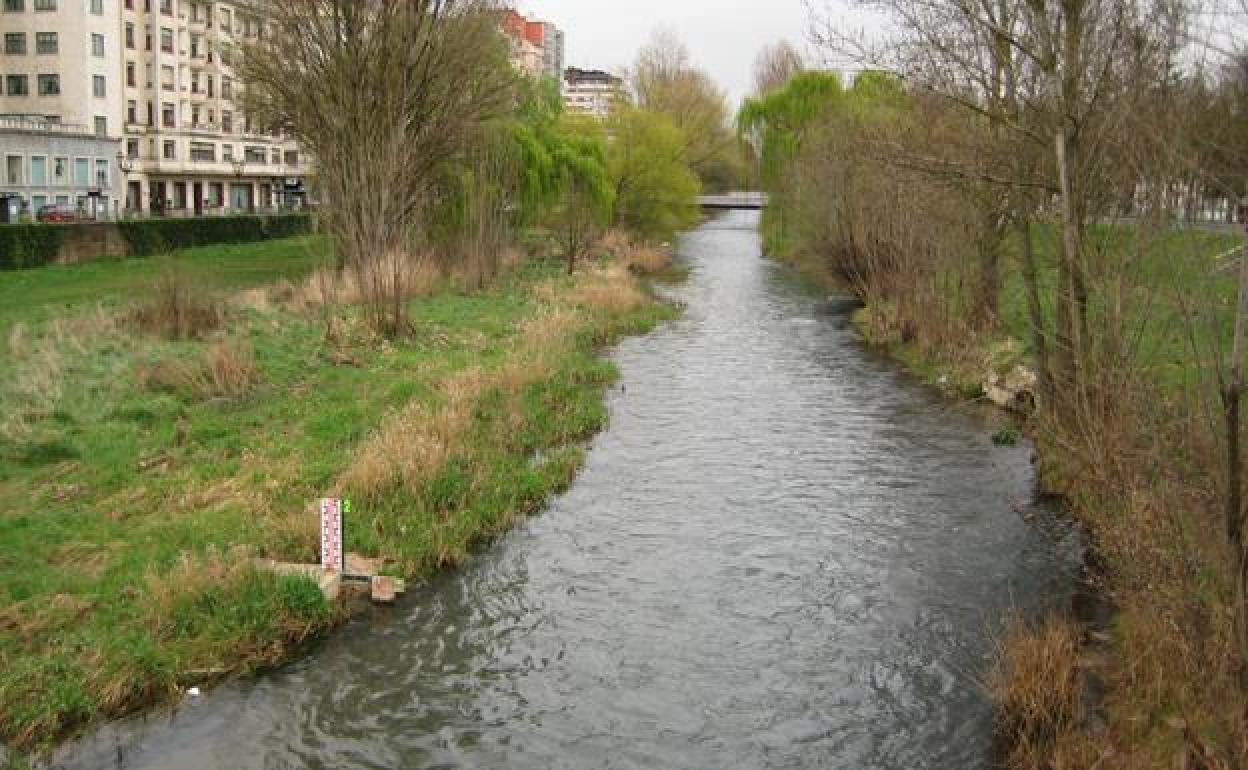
{"x": 415, "y": 444}
{"x": 640, "y": 257}
{"x": 1037, "y": 689}
{"x": 178, "y": 309}
{"x": 225, "y": 369}
{"x": 32, "y": 380}
{"x": 609, "y": 288}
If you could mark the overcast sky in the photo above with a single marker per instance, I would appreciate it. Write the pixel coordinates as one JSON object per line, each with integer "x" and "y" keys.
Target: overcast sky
{"x": 723, "y": 36}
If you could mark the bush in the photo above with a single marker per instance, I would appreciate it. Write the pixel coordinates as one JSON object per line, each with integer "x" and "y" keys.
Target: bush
{"x": 177, "y": 309}
{"x": 146, "y": 237}
{"x": 23, "y": 246}
{"x": 29, "y": 245}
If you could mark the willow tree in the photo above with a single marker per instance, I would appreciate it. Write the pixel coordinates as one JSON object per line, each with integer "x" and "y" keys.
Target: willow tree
{"x": 656, "y": 190}
{"x": 564, "y": 182}
{"x": 383, "y": 94}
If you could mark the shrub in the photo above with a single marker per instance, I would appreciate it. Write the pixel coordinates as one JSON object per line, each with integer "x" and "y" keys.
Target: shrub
{"x": 23, "y": 246}
{"x": 146, "y": 237}
{"x": 178, "y": 309}
{"x": 224, "y": 370}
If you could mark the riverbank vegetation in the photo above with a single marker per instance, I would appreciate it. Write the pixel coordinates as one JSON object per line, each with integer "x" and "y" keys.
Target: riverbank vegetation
{"x": 152, "y": 449}
{"x": 1014, "y": 190}
{"x": 431, "y": 354}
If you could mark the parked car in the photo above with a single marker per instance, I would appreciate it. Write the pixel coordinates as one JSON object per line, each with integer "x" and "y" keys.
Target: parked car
{"x": 57, "y": 212}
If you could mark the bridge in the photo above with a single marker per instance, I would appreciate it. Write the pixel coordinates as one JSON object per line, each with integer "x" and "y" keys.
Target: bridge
{"x": 741, "y": 200}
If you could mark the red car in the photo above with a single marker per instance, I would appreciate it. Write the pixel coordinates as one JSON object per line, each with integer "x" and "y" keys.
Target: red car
{"x": 57, "y": 212}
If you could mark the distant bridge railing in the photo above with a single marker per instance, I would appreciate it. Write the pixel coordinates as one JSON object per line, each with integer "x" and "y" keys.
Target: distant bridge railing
{"x": 743, "y": 200}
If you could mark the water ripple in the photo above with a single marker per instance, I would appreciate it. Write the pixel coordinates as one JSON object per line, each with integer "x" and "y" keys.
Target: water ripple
{"x": 783, "y": 553}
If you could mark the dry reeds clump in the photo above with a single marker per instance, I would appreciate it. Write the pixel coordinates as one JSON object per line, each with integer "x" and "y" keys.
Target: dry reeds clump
{"x": 648, "y": 260}
{"x": 1036, "y": 687}
{"x": 178, "y": 309}
{"x": 414, "y": 445}
{"x": 223, "y": 370}
{"x": 611, "y": 289}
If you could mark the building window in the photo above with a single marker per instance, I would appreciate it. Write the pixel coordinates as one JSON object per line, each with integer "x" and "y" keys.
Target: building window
{"x": 292, "y": 157}
{"x": 131, "y": 80}
{"x": 194, "y": 116}
{"x": 203, "y": 152}
{"x": 97, "y": 7}
{"x": 227, "y": 152}
{"x": 97, "y": 46}
{"x": 256, "y": 155}
{"x": 45, "y": 42}
{"x": 37, "y": 202}
{"x": 132, "y": 111}
{"x": 45, "y": 5}
{"x": 101, "y": 125}
{"x": 82, "y": 172}
{"x": 166, "y": 40}
{"x": 227, "y": 88}
{"x": 132, "y": 148}
{"x": 277, "y": 157}
{"x": 166, "y": 7}
{"x": 18, "y": 85}
{"x": 99, "y": 86}
{"x": 169, "y": 150}
{"x": 49, "y": 85}
{"x": 15, "y": 5}
{"x": 167, "y": 78}
{"x": 167, "y": 115}
{"x": 101, "y": 173}
{"x": 15, "y": 43}
{"x": 60, "y": 167}
{"x": 13, "y": 169}
{"x": 38, "y": 171}
{"x": 130, "y": 35}
{"x": 227, "y": 122}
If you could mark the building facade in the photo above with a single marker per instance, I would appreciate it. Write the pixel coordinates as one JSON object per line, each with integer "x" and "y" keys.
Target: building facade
{"x": 154, "y": 77}
{"x": 591, "y": 92}
{"x": 56, "y": 163}
{"x": 537, "y": 47}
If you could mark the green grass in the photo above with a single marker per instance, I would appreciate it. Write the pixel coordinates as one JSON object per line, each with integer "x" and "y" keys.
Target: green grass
{"x": 131, "y": 512}
{"x": 31, "y": 296}
{"x": 1175, "y": 292}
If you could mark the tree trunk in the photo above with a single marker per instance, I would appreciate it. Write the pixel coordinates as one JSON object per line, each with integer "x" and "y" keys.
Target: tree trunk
{"x": 1232, "y": 398}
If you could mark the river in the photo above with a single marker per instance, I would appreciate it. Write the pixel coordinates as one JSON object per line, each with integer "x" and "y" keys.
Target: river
{"x": 784, "y": 552}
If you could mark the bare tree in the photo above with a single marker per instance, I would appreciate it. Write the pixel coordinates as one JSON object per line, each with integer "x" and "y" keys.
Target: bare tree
{"x": 382, "y": 93}
{"x": 776, "y": 63}
{"x": 665, "y": 81}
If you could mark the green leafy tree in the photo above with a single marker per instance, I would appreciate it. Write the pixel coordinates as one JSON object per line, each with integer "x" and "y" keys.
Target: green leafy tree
{"x": 656, "y": 191}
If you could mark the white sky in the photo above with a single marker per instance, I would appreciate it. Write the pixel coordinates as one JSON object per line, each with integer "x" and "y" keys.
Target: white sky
{"x": 723, "y": 36}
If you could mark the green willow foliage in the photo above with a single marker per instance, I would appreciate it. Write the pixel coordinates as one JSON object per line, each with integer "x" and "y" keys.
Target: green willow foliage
{"x": 563, "y": 160}
{"x": 790, "y": 127}
{"x": 656, "y": 189}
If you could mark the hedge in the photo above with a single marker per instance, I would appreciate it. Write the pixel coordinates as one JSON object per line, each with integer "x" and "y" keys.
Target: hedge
{"x": 29, "y": 245}
{"x": 147, "y": 237}
{"x": 35, "y": 245}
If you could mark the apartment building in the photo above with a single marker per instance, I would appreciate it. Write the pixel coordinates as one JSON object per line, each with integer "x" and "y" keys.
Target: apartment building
{"x": 154, "y": 78}
{"x": 591, "y": 92}
{"x": 537, "y": 47}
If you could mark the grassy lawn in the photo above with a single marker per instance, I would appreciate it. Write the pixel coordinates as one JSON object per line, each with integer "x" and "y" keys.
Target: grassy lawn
{"x": 141, "y": 475}
{"x": 34, "y": 295}
{"x": 1178, "y": 288}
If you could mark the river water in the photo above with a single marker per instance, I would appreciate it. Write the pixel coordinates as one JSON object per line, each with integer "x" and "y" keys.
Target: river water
{"x": 783, "y": 553}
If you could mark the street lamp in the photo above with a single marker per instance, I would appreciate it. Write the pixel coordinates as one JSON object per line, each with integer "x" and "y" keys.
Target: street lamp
{"x": 240, "y": 166}
{"x": 125, "y": 165}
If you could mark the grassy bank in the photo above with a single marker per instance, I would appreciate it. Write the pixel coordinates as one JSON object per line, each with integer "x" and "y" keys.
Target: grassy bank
{"x": 1140, "y": 472}
{"x": 142, "y": 471}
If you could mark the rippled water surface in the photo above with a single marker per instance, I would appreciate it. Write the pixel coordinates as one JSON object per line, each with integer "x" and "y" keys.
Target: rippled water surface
{"x": 783, "y": 553}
